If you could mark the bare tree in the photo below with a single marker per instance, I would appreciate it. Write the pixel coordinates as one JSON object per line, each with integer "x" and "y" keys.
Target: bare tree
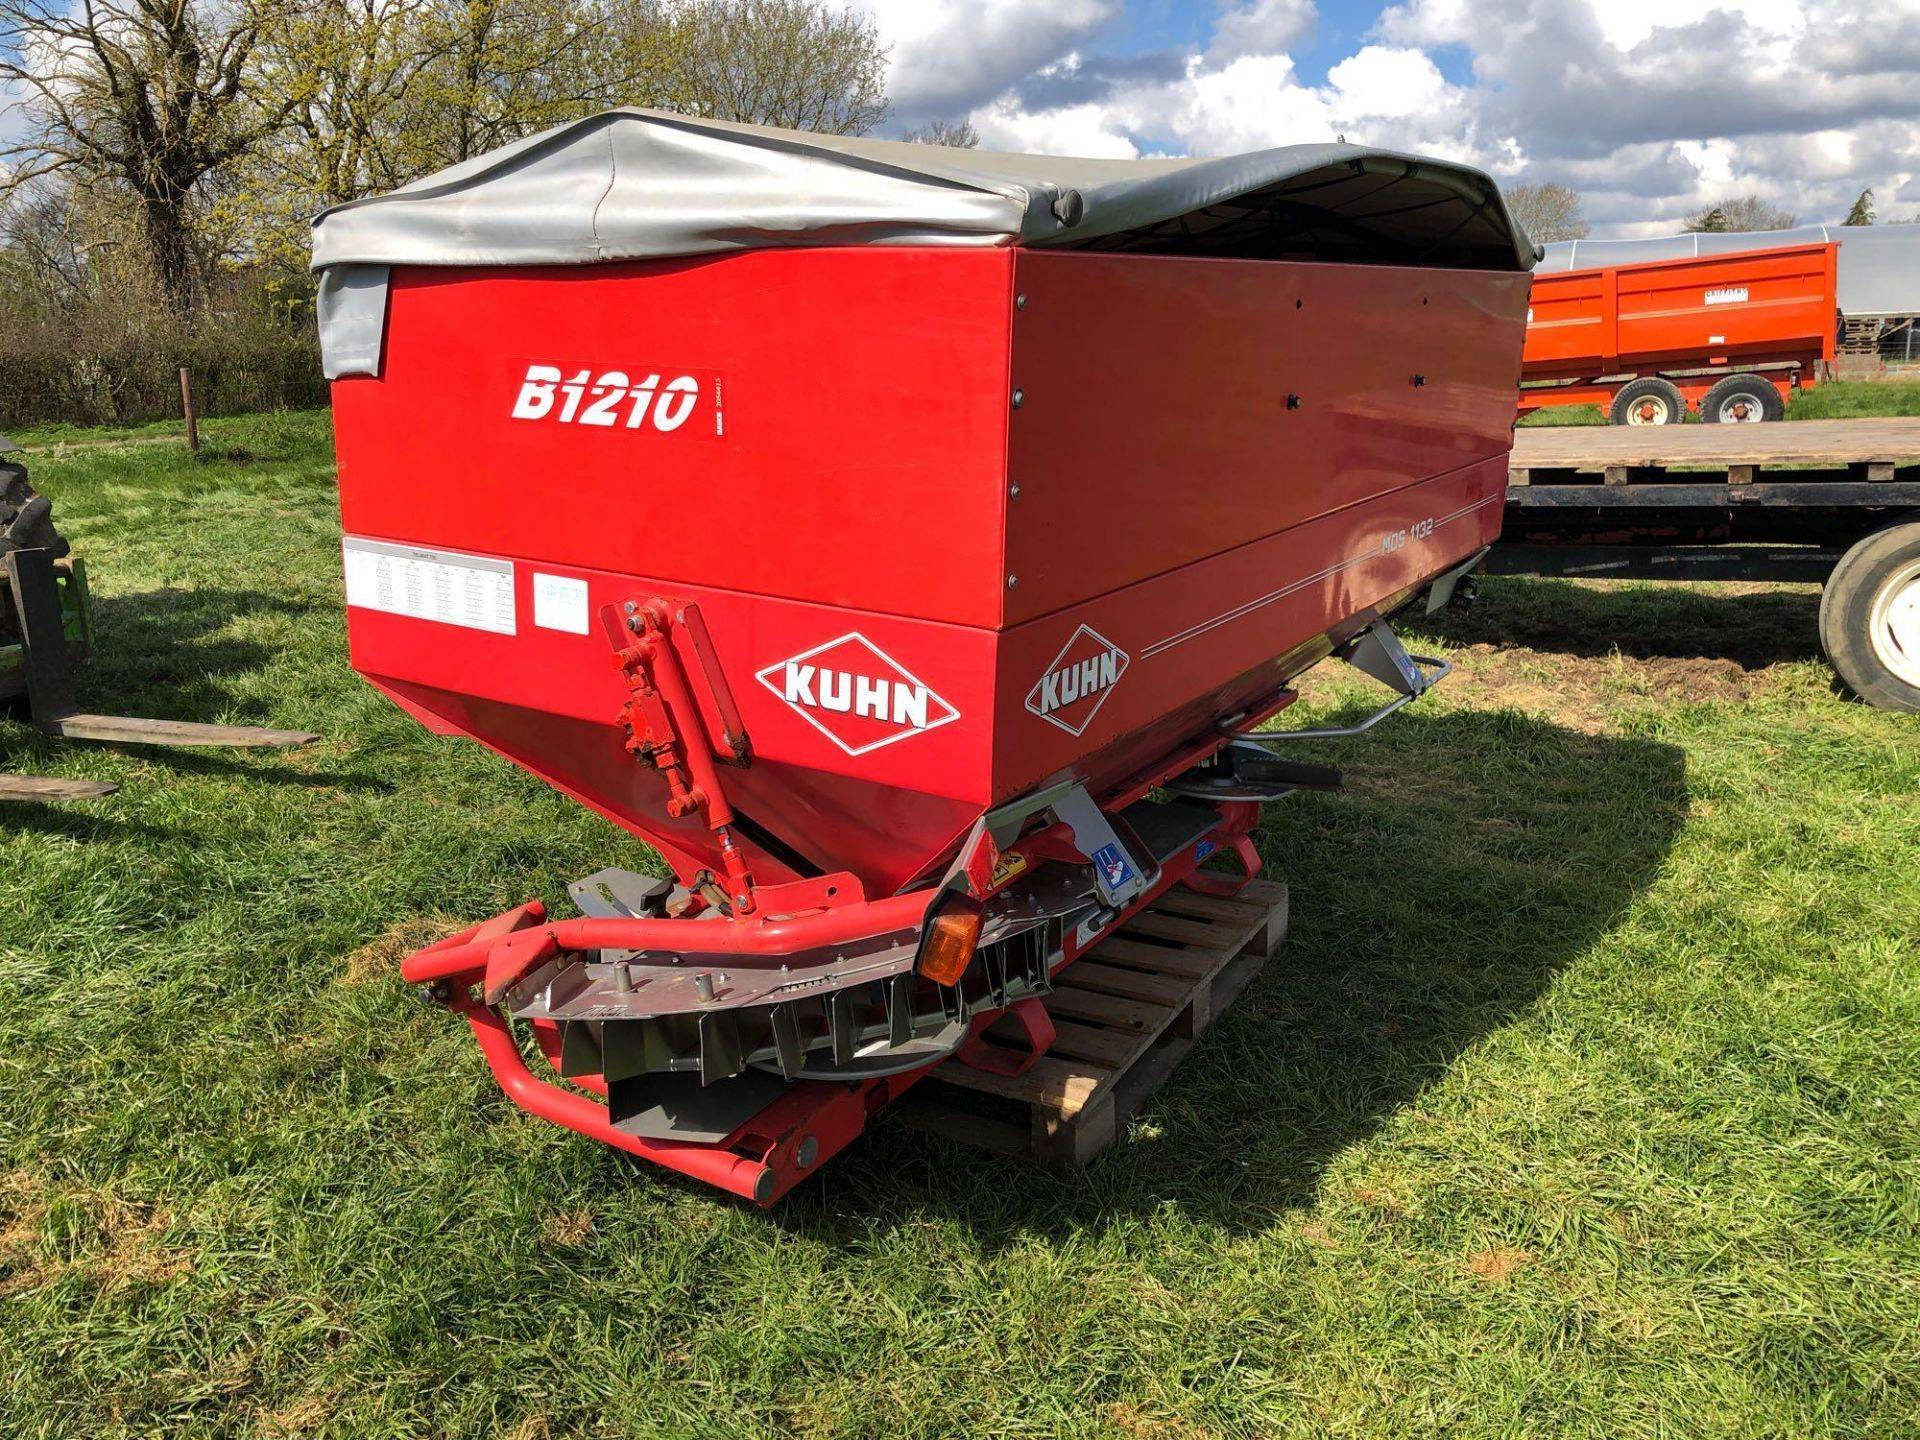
{"x": 1548, "y": 211}
{"x": 1741, "y": 214}
{"x": 804, "y": 64}
{"x": 147, "y": 96}
{"x": 960, "y": 134}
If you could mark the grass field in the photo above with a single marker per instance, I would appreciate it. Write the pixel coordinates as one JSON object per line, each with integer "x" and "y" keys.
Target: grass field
{"x": 1822, "y": 402}
{"x": 1583, "y": 1100}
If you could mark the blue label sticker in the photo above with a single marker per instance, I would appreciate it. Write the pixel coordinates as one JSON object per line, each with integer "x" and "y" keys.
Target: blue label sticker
{"x": 1203, "y": 850}
{"x": 1113, "y": 864}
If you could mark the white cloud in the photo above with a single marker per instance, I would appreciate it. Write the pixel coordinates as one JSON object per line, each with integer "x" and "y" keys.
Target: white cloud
{"x": 950, "y": 56}
{"x": 1651, "y": 112}
{"x": 1261, "y": 27}
{"x": 1091, "y": 130}
{"x": 1391, "y": 83}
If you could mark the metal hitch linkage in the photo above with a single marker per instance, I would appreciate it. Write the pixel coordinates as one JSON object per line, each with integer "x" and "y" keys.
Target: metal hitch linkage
{"x": 1379, "y": 653}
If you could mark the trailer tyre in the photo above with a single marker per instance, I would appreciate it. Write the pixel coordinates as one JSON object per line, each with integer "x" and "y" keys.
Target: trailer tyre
{"x": 1742, "y": 400}
{"x": 1870, "y": 618}
{"x": 1648, "y": 401}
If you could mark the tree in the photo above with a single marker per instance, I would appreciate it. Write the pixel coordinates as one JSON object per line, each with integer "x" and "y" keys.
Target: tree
{"x": 149, "y": 97}
{"x": 960, "y": 134}
{"x": 1862, "y": 211}
{"x": 1744, "y": 213}
{"x": 396, "y": 89}
{"x": 803, "y": 64}
{"x": 1548, "y": 211}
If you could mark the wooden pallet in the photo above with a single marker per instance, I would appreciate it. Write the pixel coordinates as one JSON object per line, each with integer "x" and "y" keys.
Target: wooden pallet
{"x": 1124, "y": 1016}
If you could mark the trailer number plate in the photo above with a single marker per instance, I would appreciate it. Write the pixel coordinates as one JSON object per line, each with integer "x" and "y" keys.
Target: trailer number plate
{"x": 1733, "y": 295}
{"x": 440, "y": 585}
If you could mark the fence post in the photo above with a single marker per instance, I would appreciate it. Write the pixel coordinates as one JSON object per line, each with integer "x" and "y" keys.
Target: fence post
{"x": 186, "y": 404}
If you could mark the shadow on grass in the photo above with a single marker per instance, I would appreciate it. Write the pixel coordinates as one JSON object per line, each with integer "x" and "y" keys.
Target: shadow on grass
{"x": 155, "y": 656}
{"x": 160, "y": 653}
{"x": 264, "y": 770}
{"x": 1644, "y": 622}
{"x": 83, "y": 821}
{"x": 1474, "y": 857}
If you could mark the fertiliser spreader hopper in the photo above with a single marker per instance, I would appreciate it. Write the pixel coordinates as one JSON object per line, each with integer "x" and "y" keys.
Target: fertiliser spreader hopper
{"x": 902, "y": 540}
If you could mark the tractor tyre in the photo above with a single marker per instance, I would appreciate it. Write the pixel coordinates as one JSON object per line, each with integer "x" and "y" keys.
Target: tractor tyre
{"x": 1870, "y": 618}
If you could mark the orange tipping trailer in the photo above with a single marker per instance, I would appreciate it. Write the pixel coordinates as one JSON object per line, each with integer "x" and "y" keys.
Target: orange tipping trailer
{"x": 1730, "y": 336}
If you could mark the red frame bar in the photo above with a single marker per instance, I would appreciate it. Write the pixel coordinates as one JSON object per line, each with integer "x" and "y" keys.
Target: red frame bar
{"x": 471, "y": 955}
{"x": 813, "y": 1120}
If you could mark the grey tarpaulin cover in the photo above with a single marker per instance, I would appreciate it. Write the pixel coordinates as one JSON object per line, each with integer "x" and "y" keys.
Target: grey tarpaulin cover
{"x": 1879, "y": 265}
{"x": 633, "y": 184}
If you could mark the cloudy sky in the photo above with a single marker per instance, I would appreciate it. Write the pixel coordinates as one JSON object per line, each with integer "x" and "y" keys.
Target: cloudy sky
{"x": 1650, "y": 110}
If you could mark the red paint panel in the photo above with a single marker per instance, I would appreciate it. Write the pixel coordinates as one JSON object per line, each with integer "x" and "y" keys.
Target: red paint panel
{"x": 880, "y": 799}
{"x": 843, "y": 441}
{"x": 1155, "y": 428}
{"x": 830, "y": 483}
{"x": 1215, "y": 636}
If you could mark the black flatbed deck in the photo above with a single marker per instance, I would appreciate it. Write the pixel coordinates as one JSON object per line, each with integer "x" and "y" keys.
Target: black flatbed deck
{"x": 1777, "y": 501}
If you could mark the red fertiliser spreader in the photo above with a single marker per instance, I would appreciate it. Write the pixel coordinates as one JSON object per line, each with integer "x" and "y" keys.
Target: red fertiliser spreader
{"x": 908, "y": 543}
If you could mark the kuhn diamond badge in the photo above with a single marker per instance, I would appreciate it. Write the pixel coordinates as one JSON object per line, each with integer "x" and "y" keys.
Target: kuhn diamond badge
{"x": 856, "y": 695}
{"x": 1078, "y": 681}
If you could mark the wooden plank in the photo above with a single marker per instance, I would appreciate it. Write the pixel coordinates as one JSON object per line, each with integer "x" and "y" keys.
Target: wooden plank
{"x": 1110, "y": 1010}
{"x": 1893, "y": 439}
{"x": 1208, "y": 934}
{"x": 1740, "y": 474}
{"x": 1519, "y": 477}
{"x": 1129, "y": 984}
{"x": 1061, "y": 1141}
{"x": 1061, "y": 1085}
{"x": 131, "y": 730}
{"x": 1161, "y": 959}
{"x": 1210, "y": 907}
{"x": 1109, "y": 1048}
{"x": 41, "y": 789}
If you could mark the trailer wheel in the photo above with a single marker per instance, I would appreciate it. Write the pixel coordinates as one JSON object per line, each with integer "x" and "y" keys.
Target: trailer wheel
{"x": 1742, "y": 400}
{"x": 1870, "y": 618}
{"x": 1649, "y": 401}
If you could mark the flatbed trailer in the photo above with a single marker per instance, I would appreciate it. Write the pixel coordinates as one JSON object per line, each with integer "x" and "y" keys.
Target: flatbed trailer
{"x": 1831, "y": 501}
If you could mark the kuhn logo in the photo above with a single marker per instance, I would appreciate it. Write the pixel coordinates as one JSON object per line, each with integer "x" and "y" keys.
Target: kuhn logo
{"x": 616, "y": 399}
{"x": 1078, "y": 681}
{"x": 856, "y": 695}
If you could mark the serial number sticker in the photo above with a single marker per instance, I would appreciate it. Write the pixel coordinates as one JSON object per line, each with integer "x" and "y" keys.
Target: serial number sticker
{"x": 1732, "y": 295}
{"x": 448, "y": 588}
{"x": 560, "y": 603}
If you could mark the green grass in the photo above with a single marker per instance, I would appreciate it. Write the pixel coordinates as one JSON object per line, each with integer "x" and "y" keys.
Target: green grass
{"x": 1861, "y": 397}
{"x": 1834, "y": 400}
{"x": 1581, "y": 1101}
